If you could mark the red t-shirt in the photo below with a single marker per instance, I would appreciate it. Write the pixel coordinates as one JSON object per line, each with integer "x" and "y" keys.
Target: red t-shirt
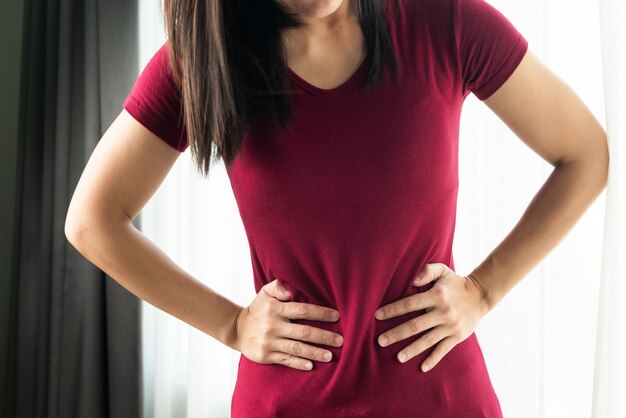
{"x": 350, "y": 203}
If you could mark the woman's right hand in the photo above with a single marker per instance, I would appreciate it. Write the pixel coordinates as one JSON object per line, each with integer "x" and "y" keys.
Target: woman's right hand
{"x": 265, "y": 334}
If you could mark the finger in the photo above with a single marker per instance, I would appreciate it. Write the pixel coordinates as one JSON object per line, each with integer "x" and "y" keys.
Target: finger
{"x": 309, "y": 333}
{"x": 430, "y": 272}
{"x": 411, "y": 327}
{"x": 300, "y": 349}
{"x": 407, "y": 304}
{"x": 288, "y": 360}
{"x": 438, "y": 353}
{"x": 301, "y": 310}
{"x": 422, "y": 343}
{"x": 277, "y": 289}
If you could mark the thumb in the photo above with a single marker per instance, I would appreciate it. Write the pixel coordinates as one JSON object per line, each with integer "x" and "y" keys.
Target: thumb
{"x": 426, "y": 275}
{"x": 277, "y": 289}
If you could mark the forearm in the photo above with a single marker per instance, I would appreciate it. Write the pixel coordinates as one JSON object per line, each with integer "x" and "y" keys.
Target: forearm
{"x": 567, "y": 193}
{"x": 141, "y": 267}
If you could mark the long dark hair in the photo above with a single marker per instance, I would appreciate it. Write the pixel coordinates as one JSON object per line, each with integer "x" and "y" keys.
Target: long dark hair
{"x": 227, "y": 59}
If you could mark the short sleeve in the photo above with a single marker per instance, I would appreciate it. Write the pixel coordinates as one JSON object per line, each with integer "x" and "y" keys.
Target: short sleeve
{"x": 489, "y": 46}
{"x": 154, "y": 101}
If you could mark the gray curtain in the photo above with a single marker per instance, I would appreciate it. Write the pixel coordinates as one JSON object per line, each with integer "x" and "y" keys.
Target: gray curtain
{"x": 74, "y": 333}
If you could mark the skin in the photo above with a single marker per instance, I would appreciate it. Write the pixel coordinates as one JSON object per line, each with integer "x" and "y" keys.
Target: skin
{"x": 329, "y": 48}
{"x": 129, "y": 163}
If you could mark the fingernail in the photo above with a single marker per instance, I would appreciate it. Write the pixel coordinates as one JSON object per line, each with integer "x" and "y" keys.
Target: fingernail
{"x": 425, "y": 367}
{"x": 382, "y": 341}
{"x": 402, "y": 357}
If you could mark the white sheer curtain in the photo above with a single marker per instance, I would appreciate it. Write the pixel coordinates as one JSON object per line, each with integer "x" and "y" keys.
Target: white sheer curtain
{"x": 610, "y": 373}
{"x": 552, "y": 345}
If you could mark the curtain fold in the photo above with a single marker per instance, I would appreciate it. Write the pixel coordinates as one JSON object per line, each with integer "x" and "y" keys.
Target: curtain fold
{"x": 610, "y": 364}
{"x": 74, "y": 343}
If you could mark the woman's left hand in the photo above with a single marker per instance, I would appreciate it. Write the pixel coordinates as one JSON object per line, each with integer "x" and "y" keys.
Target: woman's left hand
{"x": 454, "y": 306}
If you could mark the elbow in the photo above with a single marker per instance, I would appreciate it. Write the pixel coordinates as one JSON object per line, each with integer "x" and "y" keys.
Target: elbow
{"x": 72, "y": 230}
{"x": 76, "y": 227}
{"x": 604, "y": 159}
{"x": 85, "y": 232}
{"x": 599, "y": 162}
{"x": 593, "y": 161}
{"x": 83, "y": 235}
{"x": 71, "y": 227}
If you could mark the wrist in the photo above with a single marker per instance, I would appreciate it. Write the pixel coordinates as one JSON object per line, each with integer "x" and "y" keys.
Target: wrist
{"x": 485, "y": 299}
{"x": 232, "y": 330}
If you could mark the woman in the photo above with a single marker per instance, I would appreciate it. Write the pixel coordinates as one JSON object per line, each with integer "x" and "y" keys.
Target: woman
{"x": 338, "y": 122}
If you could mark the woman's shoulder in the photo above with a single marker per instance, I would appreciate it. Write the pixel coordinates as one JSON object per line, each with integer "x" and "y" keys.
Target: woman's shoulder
{"x": 155, "y": 100}
{"x": 436, "y": 17}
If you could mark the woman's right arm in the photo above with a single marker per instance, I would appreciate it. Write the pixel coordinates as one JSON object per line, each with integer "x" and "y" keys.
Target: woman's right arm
{"x": 125, "y": 169}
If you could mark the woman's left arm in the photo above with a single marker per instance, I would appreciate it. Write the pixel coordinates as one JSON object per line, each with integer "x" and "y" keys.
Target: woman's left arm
{"x": 550, "y": 118}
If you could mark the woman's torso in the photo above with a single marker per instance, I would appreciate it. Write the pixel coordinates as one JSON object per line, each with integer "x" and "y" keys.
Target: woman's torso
{"x": 346, "y": 207}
